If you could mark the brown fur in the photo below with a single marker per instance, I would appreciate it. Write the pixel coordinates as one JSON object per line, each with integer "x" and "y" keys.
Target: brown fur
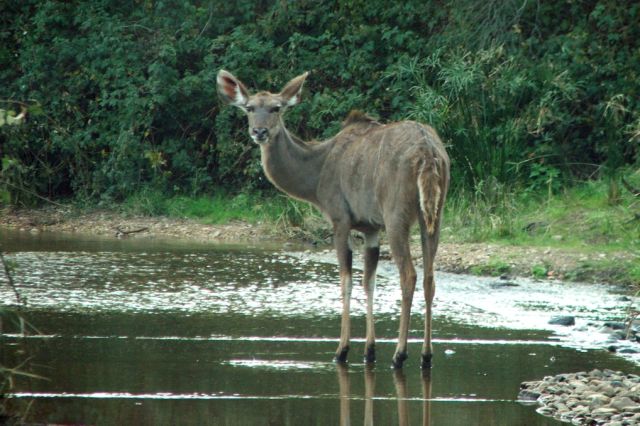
{"x": 358, "y": 117}
{"x": 368, "y": 177}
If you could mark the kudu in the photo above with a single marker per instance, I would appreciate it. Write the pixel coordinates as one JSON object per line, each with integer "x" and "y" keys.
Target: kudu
{"x": 368, "y": 177}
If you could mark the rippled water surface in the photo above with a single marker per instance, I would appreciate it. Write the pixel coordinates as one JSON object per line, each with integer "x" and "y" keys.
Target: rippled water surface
{"x": 143, "y": 332}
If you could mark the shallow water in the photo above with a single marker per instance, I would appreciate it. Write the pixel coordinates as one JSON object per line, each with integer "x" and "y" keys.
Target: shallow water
{"x": 149, "y": 332}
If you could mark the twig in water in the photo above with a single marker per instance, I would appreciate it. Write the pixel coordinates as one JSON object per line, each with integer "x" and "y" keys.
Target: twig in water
{"x": 12, "y": 284}
{"x": 122, "y": 233}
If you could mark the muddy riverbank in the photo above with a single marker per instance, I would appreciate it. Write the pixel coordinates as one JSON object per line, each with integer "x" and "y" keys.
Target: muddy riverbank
{"x": 476, "y": 258}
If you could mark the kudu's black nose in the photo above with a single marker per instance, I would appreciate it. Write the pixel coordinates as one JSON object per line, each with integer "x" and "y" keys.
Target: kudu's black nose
{"x": 260, "y": 132}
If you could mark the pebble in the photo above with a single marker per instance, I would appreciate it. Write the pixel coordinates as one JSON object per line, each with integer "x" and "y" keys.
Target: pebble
{"x": 565, "y": 320}
{"x": 598, "y": 397}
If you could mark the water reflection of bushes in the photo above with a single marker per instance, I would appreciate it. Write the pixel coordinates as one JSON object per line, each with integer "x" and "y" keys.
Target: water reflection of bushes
{"x": 14, "y": 411}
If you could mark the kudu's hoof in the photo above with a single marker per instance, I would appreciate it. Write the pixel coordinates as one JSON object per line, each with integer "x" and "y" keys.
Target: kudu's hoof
{"x": 341, "y": 356}
{"x": 370, "y": 354}
{"x": 399, "y": 359}
{"x": 426, "y": 361}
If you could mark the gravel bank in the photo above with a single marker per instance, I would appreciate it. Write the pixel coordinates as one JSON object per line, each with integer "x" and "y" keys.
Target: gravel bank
{"x": 599, "y": 397}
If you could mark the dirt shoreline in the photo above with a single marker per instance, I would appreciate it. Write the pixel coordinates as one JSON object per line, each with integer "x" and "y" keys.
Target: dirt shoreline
{"x": 477, "y": 258}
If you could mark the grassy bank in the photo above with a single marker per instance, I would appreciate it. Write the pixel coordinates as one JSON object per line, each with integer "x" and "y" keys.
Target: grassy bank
{"x": 580, "y": 219}
{"x": 291, "y": 217}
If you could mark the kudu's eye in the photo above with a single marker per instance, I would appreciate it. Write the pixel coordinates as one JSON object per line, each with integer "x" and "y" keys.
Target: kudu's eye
{"x": 251, "y": 108}
{"x": 275, "y": 109}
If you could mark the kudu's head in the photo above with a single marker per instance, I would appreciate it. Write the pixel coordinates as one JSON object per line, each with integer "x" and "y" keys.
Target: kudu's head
{"x": 264, "y": 110}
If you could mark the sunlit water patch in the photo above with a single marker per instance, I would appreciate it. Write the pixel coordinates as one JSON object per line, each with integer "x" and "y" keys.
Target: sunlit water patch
{"x": 256, "y": 283}
{"x": 520, "y": 304}
{"x": 135, "y": 332}
{"x": 247, "y": 283}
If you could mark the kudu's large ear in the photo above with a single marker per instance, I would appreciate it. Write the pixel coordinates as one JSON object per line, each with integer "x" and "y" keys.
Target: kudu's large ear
{"x": 231, "y": 89}
{"x": 291, "y": 92}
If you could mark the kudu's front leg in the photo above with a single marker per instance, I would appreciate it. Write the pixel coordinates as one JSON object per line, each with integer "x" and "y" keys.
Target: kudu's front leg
{"x": 345, "y": 260}
{"x": 371, "y": 255}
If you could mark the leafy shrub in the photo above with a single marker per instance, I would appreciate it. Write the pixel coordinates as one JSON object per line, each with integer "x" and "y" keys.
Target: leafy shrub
{"x": 122, "y": 95}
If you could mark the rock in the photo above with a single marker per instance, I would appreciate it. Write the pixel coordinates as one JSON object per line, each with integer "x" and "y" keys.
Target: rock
{"x": 629, "y": 351}
{"x": 615, "y": 325}
{"x": 587, "y": 398}
{"x": 578, "y": 420}
{"x": 565, "y": 320}
{"x": 503, "y": 284}
{"x": 545, "y": 411}
{"x": 623, "y": 403}
{"x": 619, "y": 335}
{"x": 607, "y": 390}
{"x": 604, "y": 411}
{"x": 598, "y": 400}
{"x": 528, "y": 395}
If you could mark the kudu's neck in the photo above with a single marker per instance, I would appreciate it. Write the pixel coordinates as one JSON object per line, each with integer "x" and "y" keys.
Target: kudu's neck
{"x": 293, "y": 166}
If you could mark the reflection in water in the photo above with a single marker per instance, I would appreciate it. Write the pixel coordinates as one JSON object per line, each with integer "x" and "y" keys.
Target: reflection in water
{"x": 369, "y": 392}
{"x": 345, "y": 393}
{"x": 402, "y": 392}
{"x": 158, "y": 335}
{"x": 426, "y": 395}
{"x": 402, "y": 395}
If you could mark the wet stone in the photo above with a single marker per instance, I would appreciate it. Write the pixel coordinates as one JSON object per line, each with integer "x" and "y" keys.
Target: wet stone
{"x": 528, "y": 395}
{"x": 565, "y": 320}
{"x": 599, "y": 397}
{"x": 615, "y": 325}
{"x": 622, "y": 403}
{"x": 598, "y": 400}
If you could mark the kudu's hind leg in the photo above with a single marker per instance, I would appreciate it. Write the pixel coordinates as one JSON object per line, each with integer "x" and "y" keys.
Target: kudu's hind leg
{"x": 399, "y": 244}
{"x": 345, "y": 260}
{"x": 429, "y": 248}
{"x": 371, "y": 255}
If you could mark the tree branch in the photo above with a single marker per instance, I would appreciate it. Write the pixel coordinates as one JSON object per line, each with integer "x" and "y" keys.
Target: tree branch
{"x": 12, "y": 284}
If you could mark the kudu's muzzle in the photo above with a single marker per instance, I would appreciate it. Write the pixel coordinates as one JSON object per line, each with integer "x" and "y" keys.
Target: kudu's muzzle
{"x": 260, "y": 134}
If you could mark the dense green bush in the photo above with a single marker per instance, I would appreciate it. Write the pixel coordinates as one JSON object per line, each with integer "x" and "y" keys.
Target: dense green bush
{"x": 121, "y": 95}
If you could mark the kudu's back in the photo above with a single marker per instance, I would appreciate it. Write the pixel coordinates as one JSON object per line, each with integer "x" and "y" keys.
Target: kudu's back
{"x": 385, "y": 174}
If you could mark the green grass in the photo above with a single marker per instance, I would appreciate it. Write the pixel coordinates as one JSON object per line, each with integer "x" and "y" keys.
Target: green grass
{"x": 578, "y": 218}
{"x": 219, "y": 208}
{"x": 494, "y": 268}
{"x": 290, "y": 217}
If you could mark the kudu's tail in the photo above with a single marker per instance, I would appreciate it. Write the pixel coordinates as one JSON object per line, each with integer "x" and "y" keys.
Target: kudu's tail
{"x": 429, "y": 183}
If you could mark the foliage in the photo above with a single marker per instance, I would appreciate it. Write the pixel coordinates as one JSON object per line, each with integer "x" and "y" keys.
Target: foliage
{"x": 219, "y": 208}
{"x": 579, "y": 218}
{"x": 539, "y": 271}
{"x": 495, "y": 267}
{"x": 121, "y": 95}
